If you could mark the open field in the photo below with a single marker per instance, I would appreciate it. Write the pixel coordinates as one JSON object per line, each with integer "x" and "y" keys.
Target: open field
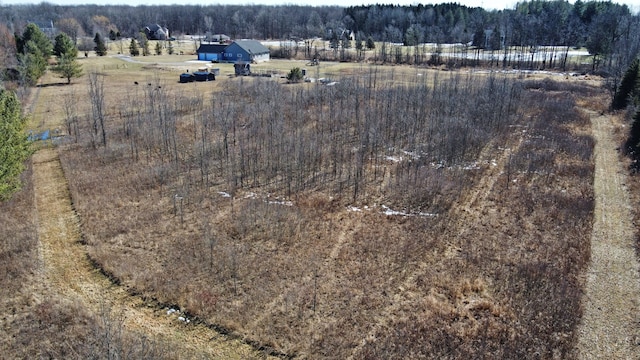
{"x": 401, "y": 213}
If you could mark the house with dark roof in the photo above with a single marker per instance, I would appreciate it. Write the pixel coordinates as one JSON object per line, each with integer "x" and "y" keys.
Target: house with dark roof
{"x": 211, "y": 52}
{"x": 247, "y": 51}
{"x": 156, "y": 32}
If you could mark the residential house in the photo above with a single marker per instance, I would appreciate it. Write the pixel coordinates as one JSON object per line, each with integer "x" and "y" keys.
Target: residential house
{"x": 156, "y": 32}
{"x": 247, "y": 51}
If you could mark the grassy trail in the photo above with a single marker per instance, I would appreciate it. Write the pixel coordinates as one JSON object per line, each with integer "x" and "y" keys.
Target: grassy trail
{"x": 609, "y": 328}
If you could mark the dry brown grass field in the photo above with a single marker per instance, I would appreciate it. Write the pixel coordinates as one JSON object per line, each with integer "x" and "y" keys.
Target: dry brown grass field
{"x": 400, "y": 213}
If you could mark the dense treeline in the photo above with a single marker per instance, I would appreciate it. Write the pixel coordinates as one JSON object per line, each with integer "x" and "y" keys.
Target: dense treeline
{"x": 608, "y": 30}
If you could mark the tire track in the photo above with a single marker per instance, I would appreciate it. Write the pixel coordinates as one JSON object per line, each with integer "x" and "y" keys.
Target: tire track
{"x": 610, "y": 327}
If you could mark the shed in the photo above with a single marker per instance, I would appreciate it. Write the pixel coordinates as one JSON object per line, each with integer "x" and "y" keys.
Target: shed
{"x": 211, "y": 52}
{"x": 246, "y": 50}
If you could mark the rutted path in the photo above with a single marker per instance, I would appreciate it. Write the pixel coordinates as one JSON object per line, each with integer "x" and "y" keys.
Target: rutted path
{"x": 67, "y": 271}
{"x": 610, "y": 327}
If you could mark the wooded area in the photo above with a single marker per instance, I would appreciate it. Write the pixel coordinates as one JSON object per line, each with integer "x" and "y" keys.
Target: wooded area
{"x": 609, "y": 31}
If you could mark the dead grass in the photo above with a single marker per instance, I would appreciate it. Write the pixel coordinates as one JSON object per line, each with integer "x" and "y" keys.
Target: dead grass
{"x": 497, "y": 272}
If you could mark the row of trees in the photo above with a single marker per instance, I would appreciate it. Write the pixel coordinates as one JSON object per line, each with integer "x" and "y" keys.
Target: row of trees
{"x": 33, "y": 49}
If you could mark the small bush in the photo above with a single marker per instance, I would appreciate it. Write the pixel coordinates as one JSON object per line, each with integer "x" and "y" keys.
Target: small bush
{"x": 295, "y": 75}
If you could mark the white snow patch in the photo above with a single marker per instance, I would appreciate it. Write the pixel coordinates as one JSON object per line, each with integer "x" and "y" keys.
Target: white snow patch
{"x": 280, "y": 202}
{"x": 394, "y": 158}
{"x": 251, "y": 195}
{"x": 224, "y": 194}
{"x": 413, "y": 155}
{"x": 390, "y": 212}
{"x": 354, "y": 209}
{"x": 172, "y": 310}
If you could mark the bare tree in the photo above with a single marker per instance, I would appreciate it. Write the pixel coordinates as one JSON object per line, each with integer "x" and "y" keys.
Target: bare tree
{"x": 96, "y": 97}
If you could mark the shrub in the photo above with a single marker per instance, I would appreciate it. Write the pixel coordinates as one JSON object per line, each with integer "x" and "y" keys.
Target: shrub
{"x": 295, "y": 75}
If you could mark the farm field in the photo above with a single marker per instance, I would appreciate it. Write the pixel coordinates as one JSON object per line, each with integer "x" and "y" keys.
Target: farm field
{"x": 401, "y": 213}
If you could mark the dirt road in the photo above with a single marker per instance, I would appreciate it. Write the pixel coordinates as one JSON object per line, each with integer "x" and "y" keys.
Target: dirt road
{"x": 610, "y": 327}
{"x": 67, "y": 271}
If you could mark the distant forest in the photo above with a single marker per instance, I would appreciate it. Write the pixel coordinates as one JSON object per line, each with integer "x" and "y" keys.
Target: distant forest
{"x": 608, "y": 30}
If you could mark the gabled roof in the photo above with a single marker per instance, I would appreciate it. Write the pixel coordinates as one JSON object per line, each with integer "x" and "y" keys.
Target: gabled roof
{"x": 155, "y": 27}
{"x": 252, "y": 46}
{"x": 212, "y": 48}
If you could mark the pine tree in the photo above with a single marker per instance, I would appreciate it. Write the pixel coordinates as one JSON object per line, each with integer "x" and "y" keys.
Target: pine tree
{"x": 133, "y": 48}
{"x": 33, "y": 33}
{"x": 295, "y": 75}
{"x": 628, "y": 86}
{"x": 14, "y": 146}
{"x": 632, "y": 145}
{"x": 64, "y": 47}
{"x": 68, "y": 68}
{"x": 101, "y": 48}
{"x": 33, "y": 50}
{"x": 158, "y": 48}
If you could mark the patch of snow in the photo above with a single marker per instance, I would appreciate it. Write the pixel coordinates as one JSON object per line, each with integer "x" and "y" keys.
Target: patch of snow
{"x": 251, "y": 195}
{"x": 224, "y": 194}
{"x": 472, "y": 166}
{"x": 184, "y": 319}
{"x": 390, "y": 212}
{"x": 354, "y": 209}
{"x": 393, "y": 158}
{"x": 280, "y": 202}
{"x": 172, "y": 310}
{"x": 412, "y": 154}
{"x": 427, "y": 214}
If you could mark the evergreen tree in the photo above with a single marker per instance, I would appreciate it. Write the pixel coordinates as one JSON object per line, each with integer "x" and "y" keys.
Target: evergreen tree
{"x": 133, "y": 48}
{"x": 64, "y": 47}
{"x": 33, "y": 51}
{"x": 31, "y": 64}
{"x": 32, "y": 33}
{"x": 158, "y": 48}
{"x": 101, "y": 48}
{"x": 370, "y": 43}
{"x": 628, "y": 86}
{"x": 68, "y": 68}
{"x": 144, "y": 42}
{"x": 632, "y": 145}
{"x": 14, "y": 146}
{"x": 170, "y": 48}
{"x": 295, "y": 75}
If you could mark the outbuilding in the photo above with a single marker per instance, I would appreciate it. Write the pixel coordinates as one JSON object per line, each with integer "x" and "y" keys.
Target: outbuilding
{"x": 211, "y": 52}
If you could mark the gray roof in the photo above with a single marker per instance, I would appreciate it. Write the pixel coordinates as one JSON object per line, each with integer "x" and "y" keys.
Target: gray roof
{"x": 252, "y": 46}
